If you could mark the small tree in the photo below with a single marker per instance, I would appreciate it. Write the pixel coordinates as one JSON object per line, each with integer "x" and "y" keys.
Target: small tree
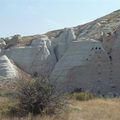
{"x": 38, "y": 96}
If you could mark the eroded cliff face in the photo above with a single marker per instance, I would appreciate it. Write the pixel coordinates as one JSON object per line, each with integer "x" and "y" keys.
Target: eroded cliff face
{"x": 88, "y": 65}
{"x": 85, "y": 57}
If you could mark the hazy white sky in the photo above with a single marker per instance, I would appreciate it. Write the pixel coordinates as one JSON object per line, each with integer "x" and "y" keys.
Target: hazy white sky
{"x": 38, "y": 16}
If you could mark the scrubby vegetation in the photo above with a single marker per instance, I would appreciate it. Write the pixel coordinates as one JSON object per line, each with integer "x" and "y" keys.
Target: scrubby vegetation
{"x": 95, "y": 109}
{"x": 82, "y": 96}
{"x": 38, "y": 100}
{"x": 36, "y": 96}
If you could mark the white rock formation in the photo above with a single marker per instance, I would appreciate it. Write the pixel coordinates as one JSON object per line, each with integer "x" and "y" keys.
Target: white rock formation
{"x": 63, "y": 41}
{"x": 79, "y": 55}
{"x": 45, "y": 59}
{"x": 34, "y": 59}
{"x": 90, "y": 65}
{"x": 7, "y": 69}
{"x": 41, "y": 57}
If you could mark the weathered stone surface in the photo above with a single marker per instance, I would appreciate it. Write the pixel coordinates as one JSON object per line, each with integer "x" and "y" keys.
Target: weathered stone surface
{"x": 63, "y": 41}
{"x": 7, "y": 69}
{"x": 33, "y": 59}
{"x": 90, "y": 65}
{"x": 80, "y": 55}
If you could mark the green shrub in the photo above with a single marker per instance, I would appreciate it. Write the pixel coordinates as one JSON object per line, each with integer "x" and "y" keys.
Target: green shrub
{"x": 38, "y": 97}
{"x": 82, "y": 96}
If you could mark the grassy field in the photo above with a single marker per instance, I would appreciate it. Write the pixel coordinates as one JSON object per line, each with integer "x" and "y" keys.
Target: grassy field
{"x": 96, "y": 109}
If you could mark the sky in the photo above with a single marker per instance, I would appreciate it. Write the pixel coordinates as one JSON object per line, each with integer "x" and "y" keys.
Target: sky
{"x": 28, "y": 17}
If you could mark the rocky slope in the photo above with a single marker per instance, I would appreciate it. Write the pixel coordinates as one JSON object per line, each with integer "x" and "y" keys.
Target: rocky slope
{"x": 85, "y": 57}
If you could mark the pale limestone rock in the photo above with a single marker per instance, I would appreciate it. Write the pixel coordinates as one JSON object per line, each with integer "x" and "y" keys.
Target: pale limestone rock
{"x": 91, "y": 66}
{"x": 45, "y": 59}
{"x": 33, "y": 59}
{"x": 63, "y": 41}
{"x": 7, "y": 69}
{"x": 41, "y": 57}
{"x": 79, "y": 53}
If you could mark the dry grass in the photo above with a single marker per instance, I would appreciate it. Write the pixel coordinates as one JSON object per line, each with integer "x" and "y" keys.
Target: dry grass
{"x": 97, "y": 109}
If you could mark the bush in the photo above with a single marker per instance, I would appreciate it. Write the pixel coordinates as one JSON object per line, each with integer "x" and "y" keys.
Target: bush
{"x": 38, "y": 96}
{"x": 82, "y": 96}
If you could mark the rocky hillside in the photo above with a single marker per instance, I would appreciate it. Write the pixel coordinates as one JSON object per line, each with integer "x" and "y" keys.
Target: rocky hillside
{"x": 85, "y": 57}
